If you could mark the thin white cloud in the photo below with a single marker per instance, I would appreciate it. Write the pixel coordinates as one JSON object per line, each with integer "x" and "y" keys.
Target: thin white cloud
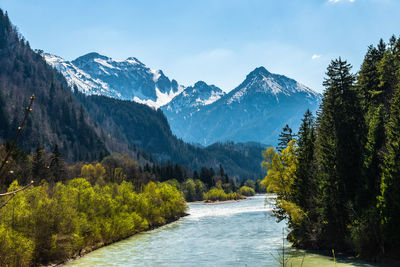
{"x": 337, "y": 1}
{"x": 315, "y": 56}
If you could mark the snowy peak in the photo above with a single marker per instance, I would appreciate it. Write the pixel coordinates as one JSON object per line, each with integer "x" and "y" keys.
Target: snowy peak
{"x": 91, "y": 56}
{"x": 261, "y": 81}
{"x": 257, "y": 72}
{"x": 193, "y": 97}
{"x": 127, "y": 79}
{"x": 254, "y": 111}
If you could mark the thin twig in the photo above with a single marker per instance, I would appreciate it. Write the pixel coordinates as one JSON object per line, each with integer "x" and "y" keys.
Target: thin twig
{"x": 16, "y": 191}
{"x": 8, "y": 200}
{"x": 27, "y": 111}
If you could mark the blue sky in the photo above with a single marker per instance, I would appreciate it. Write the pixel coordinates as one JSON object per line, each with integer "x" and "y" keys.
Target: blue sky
{"x": 217, "y": 41}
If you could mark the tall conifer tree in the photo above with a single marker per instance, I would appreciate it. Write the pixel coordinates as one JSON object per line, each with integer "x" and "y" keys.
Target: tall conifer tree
{"x": 284, "y": 138}
{"x": 389, "y": 200}
{"x": 339, "y": 148}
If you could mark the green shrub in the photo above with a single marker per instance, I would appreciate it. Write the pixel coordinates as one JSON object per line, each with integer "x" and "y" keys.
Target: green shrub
{"x": 246, "y": 191}
{"x": 219, "y": 194}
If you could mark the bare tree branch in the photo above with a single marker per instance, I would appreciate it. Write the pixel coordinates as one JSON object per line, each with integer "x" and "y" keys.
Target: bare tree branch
{"x": 5, "y": 160}
{"x": 5, "y": 203}
{"x": 20, "y": 127}
{"x": 16, "y": 191}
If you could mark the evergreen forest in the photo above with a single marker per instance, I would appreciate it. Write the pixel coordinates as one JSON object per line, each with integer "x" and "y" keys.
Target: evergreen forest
{"x": 338, "y": 181}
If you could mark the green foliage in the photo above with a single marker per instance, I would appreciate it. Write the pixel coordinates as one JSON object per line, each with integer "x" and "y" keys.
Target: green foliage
{"x": 246, "y": 191}
{"x": 217, "y": 194}
{"x": 389, "y": 199}
{"x": 193, "y": 190}
{"x": 94, "y": 173}
{"x": 339, "y": 150}
{"x": 49, "y": 224}
{"x": 341, "y": 189}
{"x": 281, "y": 171}
{"x": 131, "y": 123}
{"x": 284, "y": 138}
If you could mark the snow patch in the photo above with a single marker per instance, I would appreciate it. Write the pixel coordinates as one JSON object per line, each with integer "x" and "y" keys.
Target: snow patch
{"x": 156, "y": 75}
{"x": 162, "y": 98}
{"x": 105, "y": 63}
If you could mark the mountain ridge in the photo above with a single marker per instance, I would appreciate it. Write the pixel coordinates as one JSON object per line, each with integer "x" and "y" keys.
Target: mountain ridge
{"x": 256, "y": 110}
{"x": 129, "y": 79}
{"x": 200, "y": 113}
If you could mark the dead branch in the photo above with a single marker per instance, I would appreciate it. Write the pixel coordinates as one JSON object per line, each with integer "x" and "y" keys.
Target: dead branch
{"x": 20, "y": 127}
{"x": 5, "y": 160}
{"x": 16, "y": 191}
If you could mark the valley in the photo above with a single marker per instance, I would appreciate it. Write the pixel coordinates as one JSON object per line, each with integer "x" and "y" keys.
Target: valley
{"x": 254, "y": 141}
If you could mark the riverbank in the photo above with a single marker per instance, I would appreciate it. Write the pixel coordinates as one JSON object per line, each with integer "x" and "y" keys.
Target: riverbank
{"x": 236, "y": 234}
{"x": 93, "y": 248}
{"x": 217, "y": 202}
{"x": 51, "y": 224}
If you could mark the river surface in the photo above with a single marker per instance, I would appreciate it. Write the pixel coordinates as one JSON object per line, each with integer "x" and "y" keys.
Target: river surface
{"x": 230, "y": 234}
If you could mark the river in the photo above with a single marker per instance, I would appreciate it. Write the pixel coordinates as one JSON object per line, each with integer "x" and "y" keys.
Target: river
{"x": 230, "y": 234}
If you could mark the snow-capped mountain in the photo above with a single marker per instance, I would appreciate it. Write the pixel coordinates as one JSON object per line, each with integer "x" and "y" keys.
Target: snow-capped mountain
{"x": 194, "y": 97}
{"x": 126, "y": 79}
{"x": 256, "y": 110}
{"x": 261, "y": 81}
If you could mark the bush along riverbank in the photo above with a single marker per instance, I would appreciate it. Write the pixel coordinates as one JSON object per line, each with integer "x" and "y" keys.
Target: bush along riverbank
{"x": 53, "y": 223}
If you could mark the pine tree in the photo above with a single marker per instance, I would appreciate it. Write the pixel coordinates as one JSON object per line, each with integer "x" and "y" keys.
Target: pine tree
{"x": 339, "y": 148}
{"x": 57, "y": 166}
{"x": 206, "y": 177}
{"x": 223, "y": 175}
{"x": 389, "y": 200}
{"x": 388, "y": 71}
{"x": 39, "y": 169}
{"x": 196, "y": 175}
{"x": 303, "y": 185}
{"x": 366, "y": 232}
{"x": 368, "y": 78}
{"x": 3, "y": 119}
{"x": 373, "y": 160}
{"x": 284, "y": 138}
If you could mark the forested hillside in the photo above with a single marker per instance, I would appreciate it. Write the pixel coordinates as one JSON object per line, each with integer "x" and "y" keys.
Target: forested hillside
{"x": 57, "y": 118}
{"x": 341, "y": 186}
{"x": 87, "y": 128}
{"x": 138, "y": 125}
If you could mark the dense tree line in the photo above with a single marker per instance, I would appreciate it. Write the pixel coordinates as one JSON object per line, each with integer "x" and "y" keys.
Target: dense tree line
{"x": 115, "y": 168}
{"x": 52, "y": 223}
{"x": 338, "y": 184}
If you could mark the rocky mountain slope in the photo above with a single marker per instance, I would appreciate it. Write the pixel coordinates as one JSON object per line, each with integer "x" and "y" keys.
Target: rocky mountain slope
{"x": 130, "y": 79}
{"x": 256, "y": 110}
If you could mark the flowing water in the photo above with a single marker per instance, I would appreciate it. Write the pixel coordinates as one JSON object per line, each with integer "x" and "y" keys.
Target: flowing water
{"x": 230, "y": 234}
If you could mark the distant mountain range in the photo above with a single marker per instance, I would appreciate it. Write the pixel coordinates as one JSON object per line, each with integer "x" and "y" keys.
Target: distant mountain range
{"x": 130, "y": 79}
{"x": 256, "y": 110}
